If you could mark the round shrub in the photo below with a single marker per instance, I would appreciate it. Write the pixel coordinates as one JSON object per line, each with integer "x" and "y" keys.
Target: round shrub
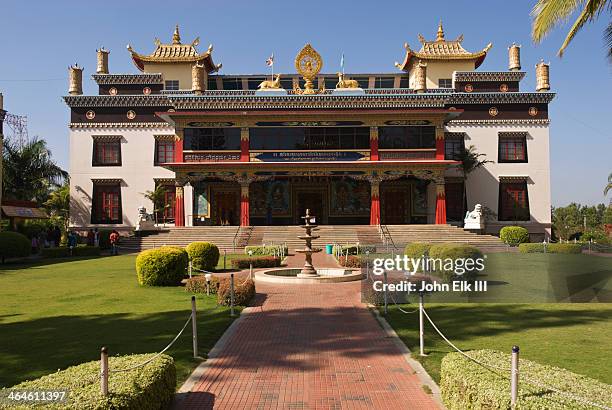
{"x": 14, "y": 245}
{"x": 244, "y": 290}
{"x": 514, "y": 235}
{"x": 161, "y": 267}
{"x": 203, "y": 255}
{"x": 198, "y": 284}
{"x": 464, "y": 261}
{"x": 417, "y": 250}
{"x": 436, "y": 250}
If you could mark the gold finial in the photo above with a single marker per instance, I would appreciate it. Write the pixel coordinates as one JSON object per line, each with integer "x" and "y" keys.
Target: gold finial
{"x": 176, "y": 37}
{"x": 440, "y": 36}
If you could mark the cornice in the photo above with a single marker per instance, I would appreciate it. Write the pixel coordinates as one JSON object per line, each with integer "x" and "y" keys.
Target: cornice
{"x": 477, "y": 76}
{"x": 457, "y": 123}
{"x": 97, "y": 125}
{"x": 111, "y": 79}
{"x": 156, "y": 100}
{"x": 495, "y": 97}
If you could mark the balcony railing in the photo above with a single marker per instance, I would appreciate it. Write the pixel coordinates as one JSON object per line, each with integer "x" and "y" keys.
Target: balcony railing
{"x": 406, "y": 154}
{"x": 211, "y": 156}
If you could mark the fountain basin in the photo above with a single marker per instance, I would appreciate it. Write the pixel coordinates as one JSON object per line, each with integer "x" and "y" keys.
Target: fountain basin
{"x": 326, "y": 275}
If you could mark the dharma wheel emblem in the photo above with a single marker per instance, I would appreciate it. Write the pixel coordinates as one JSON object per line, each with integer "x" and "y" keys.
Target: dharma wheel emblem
{"x": 533, "y": 111}
{"x": 493, "y": 111}
{"x": 146, "y": 91}
{"x": 308, "y": 64}
{"x": 112, "y": 91}
{"x": 90, "y": 115}
{"x": 131, "y": 114}
{"x": 503, "y": 88}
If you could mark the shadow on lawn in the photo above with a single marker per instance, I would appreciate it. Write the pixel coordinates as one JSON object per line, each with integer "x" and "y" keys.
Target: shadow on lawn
{"x": 19, "y": 264}
{"x": 38, "y": 347}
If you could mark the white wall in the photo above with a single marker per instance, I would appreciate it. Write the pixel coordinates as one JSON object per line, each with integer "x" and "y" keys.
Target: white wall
{"x": 137, "y": 171}
{"x": 483, "y": 184}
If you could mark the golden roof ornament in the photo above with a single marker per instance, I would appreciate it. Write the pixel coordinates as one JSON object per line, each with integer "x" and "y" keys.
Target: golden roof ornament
{"x": 308, "y": 64}
{"x": 176, "y": 37}
{"x": 440, "y": 35}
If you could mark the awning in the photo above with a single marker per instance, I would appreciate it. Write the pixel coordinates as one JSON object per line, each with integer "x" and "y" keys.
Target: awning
{"x": 24, "y": 212}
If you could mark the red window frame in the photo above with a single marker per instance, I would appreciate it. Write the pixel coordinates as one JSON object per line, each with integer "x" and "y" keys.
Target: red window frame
{"x": 512, "y": 149}
{"x": 513, "y": 201}
{"x": 106, "y": 153}
{"x": 164, "y": 151}
{"x": 106, "y": 204}
{"x": 169, "y": 201}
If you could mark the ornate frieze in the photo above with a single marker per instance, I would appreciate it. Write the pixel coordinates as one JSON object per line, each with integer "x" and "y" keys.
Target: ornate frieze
{"x": 507, "y": 97}
{"x": 479, "y": 76}
{"x": 107, "y": 125}
{"x": 492, "y": 122}
{"x": 153, "y": 100}
{"x": 114, "y": 79}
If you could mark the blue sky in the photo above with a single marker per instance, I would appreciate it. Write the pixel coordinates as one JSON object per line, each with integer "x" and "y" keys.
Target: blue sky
{"x": 41, "y": 38}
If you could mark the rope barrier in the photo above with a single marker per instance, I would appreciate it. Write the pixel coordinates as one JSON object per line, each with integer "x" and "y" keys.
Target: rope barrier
{"x": 158, "y": 354}
{"x": 400, "y": 308}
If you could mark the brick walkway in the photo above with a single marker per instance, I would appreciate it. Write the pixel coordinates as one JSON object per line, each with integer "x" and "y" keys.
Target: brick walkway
{"x": 308, "y": 347}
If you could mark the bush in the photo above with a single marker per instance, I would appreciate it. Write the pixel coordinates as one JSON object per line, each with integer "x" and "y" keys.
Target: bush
{"x": 104, "y": 238}
{"x": 14, "y": 245}
{"x": 63, "y": 251}
{"x": 258, "y": 262}
{"x": 352, "y": 262}
{"x": 164, "y": 266}
{"x": 352, "y": 249}
{"x": 443, "y": 253}
{"x": 243, "y": 292}
{"x": 436, "y": 250}
{"x": 514, "y": 235}
{"x": 149, "y": 387}
{"x": 467, "y": 385}
{"x": 417, "y": 250}
{"x": 197, "y": 284}
{"x": 598, "y": 236}
{"x": 550, "y": 248}
{"x": 203, "y": 255}
{"x": 266, "y": 250}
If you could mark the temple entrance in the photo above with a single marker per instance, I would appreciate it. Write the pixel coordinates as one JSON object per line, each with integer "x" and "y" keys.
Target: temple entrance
{"x": 313, "y": 200}
{"x": 226, "y": 207}
{"x": 394, "y": 206}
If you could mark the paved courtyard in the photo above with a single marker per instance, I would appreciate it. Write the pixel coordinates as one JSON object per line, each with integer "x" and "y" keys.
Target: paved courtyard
{"x": 308, "y": 347}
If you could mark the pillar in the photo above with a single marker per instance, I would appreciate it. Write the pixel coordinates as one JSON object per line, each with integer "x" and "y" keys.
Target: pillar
{"x": 244, "y": 144}
{"x": 102, "y": 55}
{"x": 179, "y": 207}
{"x": 420, "y": 77}
{"x": 440, "y": 142}
{"x": 75, "y": 75}
{"x": 440, "y": 203}
{"x": 198, "y": 79}
{"x": 178, "y": 149}
{"x": 374, "y": 144}
{"x": 514, "y": 57}
{"x": 375, "y": 202}
{"x": 188, "y": 201}
{"x": 244, "y": 204}
{"x": 542, "y": 77}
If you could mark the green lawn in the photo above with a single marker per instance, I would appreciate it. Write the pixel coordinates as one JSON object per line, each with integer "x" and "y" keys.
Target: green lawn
{"x": 58, "y": 313}
{"x": 575, "y": 336}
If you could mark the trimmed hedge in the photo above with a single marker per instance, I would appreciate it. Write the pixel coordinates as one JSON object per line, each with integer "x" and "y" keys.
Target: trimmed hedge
{"x": 14, "y": 245}
{"x": 64, "y": 252}
{"x": 352, "y": 262}
{"x": 266, "y": 250}
{"x": 467, "y": 385}
{"x": 149, "y": 387}
{"x": 445, "y": 251}
{"x": 550, "y": 248}
{"x": 203, "y": 255}
{"x": 514, "y": 235}
{"x": 164, "y": 266}
{"x": 417, "y": 250}
{"x": 352, "y": 249}
{"x": 244, "y": 291}
{"x": 258, "y": 262}
{"x": 197, "y": 284}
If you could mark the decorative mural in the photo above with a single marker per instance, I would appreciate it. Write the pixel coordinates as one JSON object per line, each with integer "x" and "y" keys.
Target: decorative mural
{"x": 349, "y": 197}
{"x": 419, "y": 202}
{"x": 201, "y": 206}
{"x": 270, "y": 197}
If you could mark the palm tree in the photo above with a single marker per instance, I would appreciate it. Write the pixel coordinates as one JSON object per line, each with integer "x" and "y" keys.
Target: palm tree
{"x": 609, "y": 186}
{"x": 158, "y": 199}
{"x": 29, "y": 172}
{"x": 470, "y": 160}
{"x": 550, "y": 13}
{"x": 58, "y": 204}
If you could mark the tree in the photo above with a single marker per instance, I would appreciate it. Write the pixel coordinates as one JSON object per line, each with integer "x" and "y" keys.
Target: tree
{"x": 547, "y": 14}
{"x": 58, "y": 204}
{"x": 566, "y": 221}
{"x": 29, "y": 172}
{"x": 158, "y": 199}
{"x": 609, "y": 186}
{"x": 470, "y": 161}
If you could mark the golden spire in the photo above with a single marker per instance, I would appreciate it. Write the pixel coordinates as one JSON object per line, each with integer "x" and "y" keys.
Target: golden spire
{"x": 176, "y": 37}
{"x": 440, "y": 36}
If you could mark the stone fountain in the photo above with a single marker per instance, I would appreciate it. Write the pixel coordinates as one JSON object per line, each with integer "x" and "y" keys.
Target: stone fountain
{"x": 308, "y": 271}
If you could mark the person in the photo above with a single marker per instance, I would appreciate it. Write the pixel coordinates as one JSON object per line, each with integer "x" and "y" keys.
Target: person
{"x": 90, "y": 237}
{"x": 114, "y": 240}
{"x": 96, "y": 237}
{"x": 57, "y": 236}
{"x": 72, "y": 240}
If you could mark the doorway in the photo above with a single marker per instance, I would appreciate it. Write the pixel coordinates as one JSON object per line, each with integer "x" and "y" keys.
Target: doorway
{"x": 314, "y": 200}
{"x": 395, "y": 205}
{"x": 226, "y": 207}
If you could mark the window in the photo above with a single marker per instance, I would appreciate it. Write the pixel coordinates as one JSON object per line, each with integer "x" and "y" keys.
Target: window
{"x": 171, "y": 85}
{"x": 363, "y": 82}
{"x": 211, "y": 139}
{"x": 309, "y": 138}
{"x": 255, "y": 81}
{"x": 106, "y": 207}
{"x": 404, "y": 82}
{"x": 165, "y": 213}
{"x": 164, "y": 151}
{"x": 454, "y": 201}
{"x": 410, "y": 137}
{"x": 286, "y": 83}
{"x": 513, "y": 201}
{"x": 106, "y": 152}
{"x": 453, "y": 146}
{"x": 232, "y": 83}
{"x": 384, "y": 82}
{"x": 512, "y": 148}
{"x": 445, "y": 83}
{"x": 211, "y": 83}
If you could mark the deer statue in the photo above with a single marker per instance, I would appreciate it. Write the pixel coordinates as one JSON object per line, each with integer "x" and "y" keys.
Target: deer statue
{"x": 343, "y": 83}
{"x": 267, "y": 84}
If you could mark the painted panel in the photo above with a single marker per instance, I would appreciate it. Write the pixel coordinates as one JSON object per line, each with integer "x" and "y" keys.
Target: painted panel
{"x": 349, "y": 198}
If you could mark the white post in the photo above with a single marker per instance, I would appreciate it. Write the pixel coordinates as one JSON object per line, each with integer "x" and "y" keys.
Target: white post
{"x": 231, "y": 294}
{"x": 385, "y": 292}
{"x": 194, "y": 326}
{"x": 104, "y": 371}
{"x": 367, "y": 264}
{"x": 514, "y": 376}
{"x": 250, "y": 265}
{"x": 224, "y": 258}
{"x": 190, "y": 269}
{"x": 421, "y": 327}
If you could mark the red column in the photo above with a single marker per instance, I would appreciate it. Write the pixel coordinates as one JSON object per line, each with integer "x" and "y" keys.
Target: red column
{"x": 440, "y": 147}
{"x": 178, "y": 150}
{"x": 244, "y": 204}
{"x": 440, "y": 204}
{"x": 244, "y": 144}
{"x": 179, "y": 207}
{"x": 374, "y": 144}
{"x": 375, "y": 203}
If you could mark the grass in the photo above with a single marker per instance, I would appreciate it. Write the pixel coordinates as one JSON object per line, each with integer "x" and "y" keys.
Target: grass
{"x": 575, "y": 336}
{"x": 54, "y": 314}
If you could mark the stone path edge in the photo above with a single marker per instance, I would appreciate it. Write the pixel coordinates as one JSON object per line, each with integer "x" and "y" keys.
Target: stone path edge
{"x": 420, "y": 371}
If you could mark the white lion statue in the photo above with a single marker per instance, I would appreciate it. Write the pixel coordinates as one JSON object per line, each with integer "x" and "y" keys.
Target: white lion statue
{"x": 474, "y": 219}
{"x": 145, "y": 221}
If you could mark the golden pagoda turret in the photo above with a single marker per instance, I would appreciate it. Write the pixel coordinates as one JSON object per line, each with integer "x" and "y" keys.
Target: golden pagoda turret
{"x": 514, "y": 57}
{"x": 102, "y": 67}
{"x": 440, "y": 34}
{"x": 542, "y": 76}
{"x": 75, "y": 76}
